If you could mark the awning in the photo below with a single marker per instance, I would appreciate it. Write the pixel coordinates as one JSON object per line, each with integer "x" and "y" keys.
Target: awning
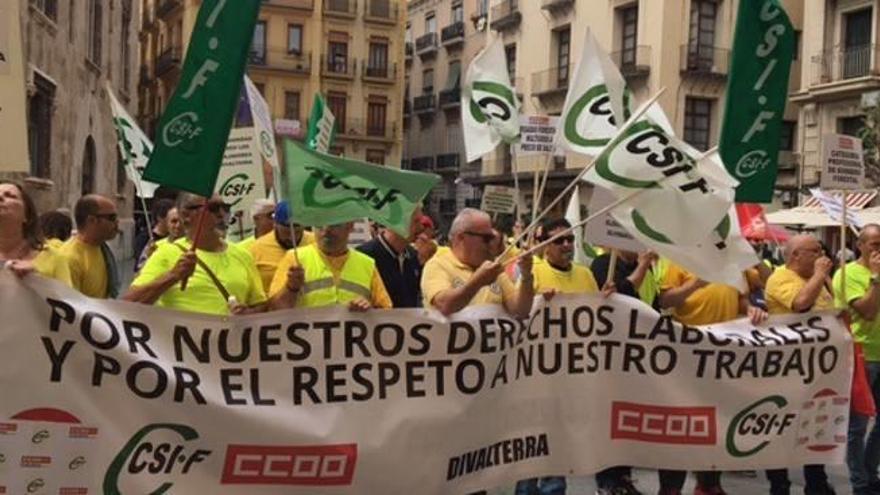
{"x": 811, "y": 213}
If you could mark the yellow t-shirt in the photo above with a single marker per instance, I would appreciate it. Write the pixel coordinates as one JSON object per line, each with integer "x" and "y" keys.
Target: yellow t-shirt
{"x": 783, "y": 287}
{"x": 52, "y": 264}
{"x": 234, "y": 267}
{"x": 379, "y": 297}
{"x": 87, "y": 271}
{"x": 267, "y": 253}
{"x": 578, "y": 280}
{"x": 444, "y": 271}
{"x": 713, "y": 303}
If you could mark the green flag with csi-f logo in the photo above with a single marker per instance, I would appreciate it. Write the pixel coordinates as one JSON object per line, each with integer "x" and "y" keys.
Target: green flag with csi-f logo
{"x": 192, "y": 133}
{"x": 757, "y": 89}
{"x": 328, "y": 190}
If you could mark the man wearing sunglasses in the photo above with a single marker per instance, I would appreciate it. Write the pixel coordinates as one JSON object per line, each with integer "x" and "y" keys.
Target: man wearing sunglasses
{"x": 222, "y": 278}
{"x": 467, "y": 275}
{"x": 93, "y": 268}
{"x": 261, "y": 213}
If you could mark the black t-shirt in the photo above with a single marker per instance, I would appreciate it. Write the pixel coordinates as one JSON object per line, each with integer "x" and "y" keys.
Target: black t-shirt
{"x": 400, "y": 274}
{"x": 621, "y": 273}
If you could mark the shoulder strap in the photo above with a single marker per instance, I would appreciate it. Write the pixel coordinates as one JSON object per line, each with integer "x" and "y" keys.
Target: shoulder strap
{"x": 204, "y": 266}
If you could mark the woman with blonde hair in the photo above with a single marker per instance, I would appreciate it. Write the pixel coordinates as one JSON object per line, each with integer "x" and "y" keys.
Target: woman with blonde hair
{"x": 22, "y": 249}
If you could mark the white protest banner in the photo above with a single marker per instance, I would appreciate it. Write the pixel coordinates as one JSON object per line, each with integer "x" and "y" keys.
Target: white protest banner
{"x": 606, "y": 231}
{"x": 499, "y": 199}
{"x": 263, "y": 127}
{"x": 146, "y": 400}
{"x": 14, "y": 138}
{"x": 843, "y": 162}
{"x": 536, "y": 134}
{"x": 241, "y": 180}
{"x": 833, "y": 206}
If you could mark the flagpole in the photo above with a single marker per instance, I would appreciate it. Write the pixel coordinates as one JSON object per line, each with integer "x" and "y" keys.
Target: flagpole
{"x": 635, "y": 116}
{"x": 612, "y": 267}
{"x": 203, "y": 214}
{"x": 146, "y": 213}
{"x": 842, "y": 260}
{"x": 515, "y": 170}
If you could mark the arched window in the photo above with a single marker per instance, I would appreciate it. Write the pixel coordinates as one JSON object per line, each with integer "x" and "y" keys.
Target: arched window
{"x": 88, "y": 167}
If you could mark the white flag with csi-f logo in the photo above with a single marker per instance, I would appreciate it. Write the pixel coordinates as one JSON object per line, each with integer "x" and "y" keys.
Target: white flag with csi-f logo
{"x": 134, "y": 146}
{"x": 597, "y": 102}
{"x": 489, "y": 107}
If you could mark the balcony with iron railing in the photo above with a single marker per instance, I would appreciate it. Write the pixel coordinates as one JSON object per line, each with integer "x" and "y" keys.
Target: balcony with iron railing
{"x": 339, "y": 68}
{"x": 840, "y": 64}
{"x": 633, "y": 63}
{"x": 382, "y": 11}
{"x": 168, "y": 60}
{"x": 447, "y": 163}
{"x": 452, "y": 35}
{"x": 704, "y": 60}
{"x": 378, "y": 73}
{"x": 291, "y": 4}
{"x": 425, "y": 103}
{"x": 165, "y": 7}
{"x": 506, "y": 15}
{"x": 553, "y": 5}
{"x": 280, "y": 60}
{"x": 551, "y": 82}
{"x": 426, "y": 45}
{"x": 368, "y": 130}
{"x": 450, "y": 98}
{"x": 343, "y": 9}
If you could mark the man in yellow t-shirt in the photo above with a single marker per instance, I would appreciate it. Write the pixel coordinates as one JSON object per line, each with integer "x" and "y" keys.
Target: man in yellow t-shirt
{"x": 558, "y": 273}
{"x": 261, "y": 213}
{"x": 93, "y": 269}
{"x": 798, "y": 286}
{"x": 347, "y": 282}
{"x": 802, "y": 283}
{"x": 270, "y": 248}
{"x": 465, "y": 275}
{"x": 237, "y": 288}
{"x": 696, "y": 302}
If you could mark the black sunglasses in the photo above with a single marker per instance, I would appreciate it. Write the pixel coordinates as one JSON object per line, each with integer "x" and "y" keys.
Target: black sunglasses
{"x": 487, "y": 238}
{"x": 562, "y": 240}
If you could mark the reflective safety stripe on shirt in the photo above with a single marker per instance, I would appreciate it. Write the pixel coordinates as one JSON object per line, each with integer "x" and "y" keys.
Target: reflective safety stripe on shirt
{"x": 322, "y": 289}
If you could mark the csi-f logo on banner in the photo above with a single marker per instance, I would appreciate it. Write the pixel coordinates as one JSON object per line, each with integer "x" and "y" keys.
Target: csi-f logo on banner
{"x": 753, "y": 428}
{"x": 492, "y": 101}
{"x": 165, "y": 458}
{"x": 594, "y": 110}
{"x": 236, "y": 188}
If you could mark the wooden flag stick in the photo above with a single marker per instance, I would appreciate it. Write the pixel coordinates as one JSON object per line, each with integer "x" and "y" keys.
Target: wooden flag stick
{"x": 635, "y": 116}
{"x": 612, "y": 267}
{"x": 200, "y": 225}
{"x": 842, "y": 260}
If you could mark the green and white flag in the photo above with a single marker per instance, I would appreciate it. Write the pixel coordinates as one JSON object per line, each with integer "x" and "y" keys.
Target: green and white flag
{"x": 134, "y": 146}
{"x": 192, "y": 133}
{"x": 322, "y": 126}
{"x": 720, "y": 257}
{"x": 596, "y": 102}
{"x": 489, "y": 107}
{"x": 262, "y": 123}
{"x": 327, "y": 190}
{"x": 681, "y": 198}
{"x": 757, "y": 89}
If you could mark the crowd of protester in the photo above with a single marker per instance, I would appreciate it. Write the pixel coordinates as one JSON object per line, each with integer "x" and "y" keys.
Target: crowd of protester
{"x": 283, "y": 266}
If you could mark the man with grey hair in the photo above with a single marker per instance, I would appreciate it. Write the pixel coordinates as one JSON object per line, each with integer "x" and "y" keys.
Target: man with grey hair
{"x": 466, "y": 275}
{"x": 262, "y": 214}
